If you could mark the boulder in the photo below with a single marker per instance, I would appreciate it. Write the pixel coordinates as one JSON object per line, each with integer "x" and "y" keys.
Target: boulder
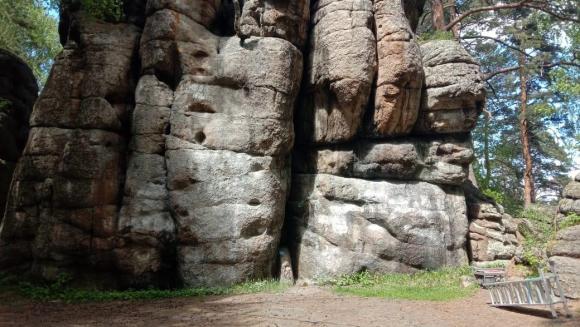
{"x": 454, "y": 93}
{"x": 343, "y": 225}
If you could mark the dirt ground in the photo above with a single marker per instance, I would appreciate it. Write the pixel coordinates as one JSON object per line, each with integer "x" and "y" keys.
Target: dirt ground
{"x": 298, "y": 306}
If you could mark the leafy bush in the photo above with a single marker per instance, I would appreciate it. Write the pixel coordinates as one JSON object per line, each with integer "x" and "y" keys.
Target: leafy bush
{"x": 497, "y": 196}
{"x": 569, "y": 221}
{"x": 111, "y": 10}
{"x": 536, "y": 240}
{"x": 438, "y": 285}
{"x": 436, "y": 36}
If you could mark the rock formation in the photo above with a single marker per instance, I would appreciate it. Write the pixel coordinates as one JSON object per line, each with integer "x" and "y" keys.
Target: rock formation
{"x": 163, "y": 148}
{"x": 18, "y": 91}
{"x": 492, "y": 232}
{"x": 564, "y": 251}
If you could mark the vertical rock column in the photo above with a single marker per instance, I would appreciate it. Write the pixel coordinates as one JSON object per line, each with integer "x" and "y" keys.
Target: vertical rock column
{"x": 212, "y": 131}
{"x": 18, "y": 91}
{"x": 400, "y": 72}
{"x": 366, "y": 195}
{"x": 62, "y": 211}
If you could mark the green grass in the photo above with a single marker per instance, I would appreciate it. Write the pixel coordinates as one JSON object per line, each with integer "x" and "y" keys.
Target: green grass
{"x": 439, "y": 285}
{"x": 59, "y": 291}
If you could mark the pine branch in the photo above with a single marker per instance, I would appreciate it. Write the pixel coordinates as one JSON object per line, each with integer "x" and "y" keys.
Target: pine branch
{"x": 489, "y": 76}
{"x": 538, "y": 5}
{"x": 505, "y": 44}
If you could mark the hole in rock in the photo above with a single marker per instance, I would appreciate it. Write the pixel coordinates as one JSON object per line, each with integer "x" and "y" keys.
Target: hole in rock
{"x": 201, "y": 107}
{"x": 199, "y": 137}
{"x": 167, "y": 129}
{"x": 200, "y": 54}
{"x": 254, "y": 202}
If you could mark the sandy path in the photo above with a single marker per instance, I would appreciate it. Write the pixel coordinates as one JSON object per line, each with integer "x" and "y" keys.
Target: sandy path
{"x": 298, "y": 306}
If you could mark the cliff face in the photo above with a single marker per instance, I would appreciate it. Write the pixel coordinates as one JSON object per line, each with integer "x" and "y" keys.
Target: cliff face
{"x": 184, "y": 145}
{"x": 18, "y": 91}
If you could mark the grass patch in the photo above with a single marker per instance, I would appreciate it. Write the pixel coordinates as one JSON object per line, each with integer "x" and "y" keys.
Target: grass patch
{"x": 438, "y": 285}
{"x": 59, "y": 291}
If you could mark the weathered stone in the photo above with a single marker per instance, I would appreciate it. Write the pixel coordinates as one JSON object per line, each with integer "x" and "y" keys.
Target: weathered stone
{"x": 284, "y": 19}
{"x": 400, "y": 73}
{"x": 572, "y": 190}
{"x": 454, "y": 92}
{"x": 339, "y": 71}
{"x": 492, "y": 232}
{"x": 18, "y": 91}
{"x": 443, "y": 161}
{"x": 344, "y": 225}
{"x": 568, "y": 269}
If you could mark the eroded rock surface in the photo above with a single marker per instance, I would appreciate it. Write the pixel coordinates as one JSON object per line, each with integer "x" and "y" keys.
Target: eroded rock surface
{"x": 492, "y": 232}
{"x": 454, "y": 93}
{"x": 161, "y": 147}
{"x": 345, "y": 225}
{"x": 564, "y": 251}
{"x": 18, "y": 91}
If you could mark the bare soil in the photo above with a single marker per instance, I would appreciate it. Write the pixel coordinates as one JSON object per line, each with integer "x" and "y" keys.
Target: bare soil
{"x": 298, "y": 306}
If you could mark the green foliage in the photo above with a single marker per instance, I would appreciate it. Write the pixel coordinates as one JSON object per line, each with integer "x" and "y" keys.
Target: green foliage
{"x": 4, "y": 103}
{"x": 569, "y": 221}
{"x": 110, "y": 10}
{"x": 30, "y": 33}
{"x": 61, "y": 291}
{"x": 496, "y": 195}
{"x": 536, "y": 241}
{"x": 435, "y": 36}
{"x": 438, "y": 285}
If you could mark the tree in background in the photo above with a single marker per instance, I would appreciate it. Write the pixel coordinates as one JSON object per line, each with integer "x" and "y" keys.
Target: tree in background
{"x": 528, "y": 49}
{"x": 28, "y": 31}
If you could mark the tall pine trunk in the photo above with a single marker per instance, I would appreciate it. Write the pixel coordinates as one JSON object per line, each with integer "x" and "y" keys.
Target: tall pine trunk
{"x": 438, "y": 15}
{"x": 486, "y": 161}
{"x": 529, "y": 192}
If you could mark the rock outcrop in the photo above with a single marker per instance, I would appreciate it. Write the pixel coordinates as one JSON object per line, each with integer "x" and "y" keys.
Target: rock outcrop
{"x": 492, "y": 232}
{"x": 564, "y": 251}
{"x": 18, "y": 91}
{"x": 185, "y": 145}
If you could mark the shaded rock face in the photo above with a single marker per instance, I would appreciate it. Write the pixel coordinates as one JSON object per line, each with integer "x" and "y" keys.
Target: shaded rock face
{"x": 564, "y": 252}
{"x": 492, "y": 232}
{"x": 160, "y": 151}
{"x": 18, "y": 91}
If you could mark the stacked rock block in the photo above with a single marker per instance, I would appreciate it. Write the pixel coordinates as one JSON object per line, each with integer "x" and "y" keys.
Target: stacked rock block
{"x": 492, "y": 232}
{"x": 565, "y": 250}
{"x": 159, "y": 152}
{"x": 383, "y": 145}
{"x": 160, "y": 147}
{"x": 18, "y": 91}
{"x": 62, "y": 211}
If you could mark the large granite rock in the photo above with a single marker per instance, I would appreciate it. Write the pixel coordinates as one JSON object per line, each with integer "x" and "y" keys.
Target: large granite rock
{"x": 344, "y": 225}
{"x": 454, "y": 94}
{"x": 564, "y": 253}
{"x": 200, "y": 198}
{"x": 400, "y": 73}
{"x": 161, "y": 146}
{"x": 18, "y": 91}
{"x": 339, "y": 71}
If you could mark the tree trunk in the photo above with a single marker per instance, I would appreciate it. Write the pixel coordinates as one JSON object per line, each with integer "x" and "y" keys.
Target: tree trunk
{"x": 438, "y": 15}
{"x": 486, "y": 162}
{"x": 529, "y": 196}
{"x": 453, "y": 13}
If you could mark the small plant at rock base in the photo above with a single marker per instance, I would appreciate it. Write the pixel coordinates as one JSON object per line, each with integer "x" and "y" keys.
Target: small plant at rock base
{"x": 569, "y": 221}
{"x": 438, "y": 285}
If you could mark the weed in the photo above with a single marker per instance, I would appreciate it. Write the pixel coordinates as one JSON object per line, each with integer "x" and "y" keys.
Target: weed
{"x": 437, "y": 285}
